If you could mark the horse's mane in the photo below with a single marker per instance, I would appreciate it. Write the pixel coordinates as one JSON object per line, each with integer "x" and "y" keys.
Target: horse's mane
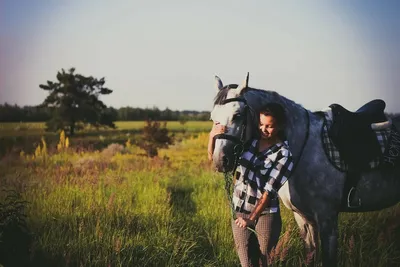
{"x": 221, "y": 96}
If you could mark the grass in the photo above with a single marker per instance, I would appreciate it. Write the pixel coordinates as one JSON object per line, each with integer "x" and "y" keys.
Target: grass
{"x": 116, "y": 207}
{"x": 16, "y": 137}
{"x": 38, "y": 128}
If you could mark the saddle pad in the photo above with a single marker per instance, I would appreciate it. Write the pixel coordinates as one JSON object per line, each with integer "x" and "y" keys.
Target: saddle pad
{"x": 333, "y": 153}
{"x": 391, "y": 157}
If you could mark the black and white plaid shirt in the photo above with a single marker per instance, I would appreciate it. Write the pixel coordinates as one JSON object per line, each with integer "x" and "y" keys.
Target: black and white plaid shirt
{"x": 259, "y": 172}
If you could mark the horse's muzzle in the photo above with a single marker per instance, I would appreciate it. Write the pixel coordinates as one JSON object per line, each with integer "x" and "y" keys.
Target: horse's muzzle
{"x": 223, "y": 163}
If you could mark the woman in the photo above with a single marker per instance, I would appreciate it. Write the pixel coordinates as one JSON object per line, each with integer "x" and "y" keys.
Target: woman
{"x": 263, "y": 167}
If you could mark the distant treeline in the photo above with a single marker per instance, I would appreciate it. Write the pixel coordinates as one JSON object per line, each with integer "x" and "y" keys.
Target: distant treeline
{"x": 14, "y": 113}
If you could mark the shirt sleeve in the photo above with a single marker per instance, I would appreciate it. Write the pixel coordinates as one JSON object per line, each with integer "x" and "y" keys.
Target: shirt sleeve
{"x": 280, "y": 172}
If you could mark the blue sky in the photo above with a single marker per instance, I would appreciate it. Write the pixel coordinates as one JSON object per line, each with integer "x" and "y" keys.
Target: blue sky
{"x": 166, "y": 53}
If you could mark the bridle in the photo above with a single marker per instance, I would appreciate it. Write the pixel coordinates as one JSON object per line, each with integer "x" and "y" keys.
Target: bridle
{"x": 239, "y": 142}
{"x": 237, "y": 149}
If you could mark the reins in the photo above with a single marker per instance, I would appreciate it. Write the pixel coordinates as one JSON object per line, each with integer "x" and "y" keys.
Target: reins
{"x": 237, "y": 150}
{"x": 305, "y": 141}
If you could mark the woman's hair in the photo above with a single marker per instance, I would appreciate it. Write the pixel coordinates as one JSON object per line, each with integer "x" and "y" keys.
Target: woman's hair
{"x": 276, "y": 111}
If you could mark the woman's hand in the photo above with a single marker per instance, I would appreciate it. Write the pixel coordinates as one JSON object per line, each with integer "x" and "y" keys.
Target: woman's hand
{"x": 242, "y": 222}
{"x": 216, "y": 129}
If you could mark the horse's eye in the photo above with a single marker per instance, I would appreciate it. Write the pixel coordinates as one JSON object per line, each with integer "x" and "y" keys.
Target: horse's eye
{"x": 236, "y": 117}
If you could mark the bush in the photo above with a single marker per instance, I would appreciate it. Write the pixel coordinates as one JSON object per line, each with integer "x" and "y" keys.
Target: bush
{"x": 112, "y": 150}
{"x": 155, "y": 137}
{"x": 84, "y": 164}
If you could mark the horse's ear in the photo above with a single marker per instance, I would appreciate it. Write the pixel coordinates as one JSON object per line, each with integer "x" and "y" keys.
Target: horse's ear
{"x": 218, "y": 83}
{"x": 244, "y": 85}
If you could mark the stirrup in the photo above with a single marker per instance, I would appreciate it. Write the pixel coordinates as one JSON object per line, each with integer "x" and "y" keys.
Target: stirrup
{"x": 349, "y": 199}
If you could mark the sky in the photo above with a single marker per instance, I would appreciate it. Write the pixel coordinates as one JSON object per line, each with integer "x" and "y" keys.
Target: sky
{"x": 165, "y": 54}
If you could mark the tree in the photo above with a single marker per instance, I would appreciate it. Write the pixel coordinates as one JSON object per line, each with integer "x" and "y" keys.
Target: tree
{"x": 74, "y": 100}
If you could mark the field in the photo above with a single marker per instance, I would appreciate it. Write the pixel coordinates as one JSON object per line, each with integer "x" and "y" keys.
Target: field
{"x": 13, "y": 128}
{"x": 110, "y": 205}
{"x": 15, "y": 137}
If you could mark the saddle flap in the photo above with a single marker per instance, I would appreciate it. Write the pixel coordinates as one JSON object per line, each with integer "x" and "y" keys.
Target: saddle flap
{"x": 352, "y": 134}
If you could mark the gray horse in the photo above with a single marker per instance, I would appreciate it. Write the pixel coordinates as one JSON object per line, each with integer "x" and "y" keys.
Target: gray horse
{"x": 317, "y": 187}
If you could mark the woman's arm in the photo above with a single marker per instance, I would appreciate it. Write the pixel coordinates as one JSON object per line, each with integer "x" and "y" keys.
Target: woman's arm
{"x": 280, "y": 172}
{"x": 261, "y": 205}
{"x": 210, "y": 147}
{"x": 216, "y": 129}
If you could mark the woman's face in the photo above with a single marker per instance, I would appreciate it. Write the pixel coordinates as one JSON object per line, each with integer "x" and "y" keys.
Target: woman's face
{"x": 268, "y": 127}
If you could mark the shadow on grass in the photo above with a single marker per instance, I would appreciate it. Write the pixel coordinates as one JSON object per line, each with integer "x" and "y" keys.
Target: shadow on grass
{"x": 106, "y": 238}
{"x": 139, "y": 240}
{"x": 181, "y": 201}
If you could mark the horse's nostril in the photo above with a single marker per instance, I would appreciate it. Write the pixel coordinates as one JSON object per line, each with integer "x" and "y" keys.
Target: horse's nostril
{"x": 225, "y": 160}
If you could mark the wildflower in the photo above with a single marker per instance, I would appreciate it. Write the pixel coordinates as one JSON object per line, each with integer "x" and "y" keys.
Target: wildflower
{"x": 285, "y": 248}
{"x": 271, "y": 257}
{"x": 118, "y": 245}
{"x": 351, "y": 244}
{"x": 110, "y": 201}
{"x": 128, "y": 143}
{"x": 61, "y": 143}
{"x": 310, "y": 257}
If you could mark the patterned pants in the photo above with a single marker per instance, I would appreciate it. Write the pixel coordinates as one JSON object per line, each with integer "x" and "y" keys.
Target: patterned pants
{"x": 253, "y": 249}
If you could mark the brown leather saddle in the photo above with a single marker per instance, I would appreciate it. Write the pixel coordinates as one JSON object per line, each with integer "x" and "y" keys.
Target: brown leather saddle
{"x": 353, "y": 136}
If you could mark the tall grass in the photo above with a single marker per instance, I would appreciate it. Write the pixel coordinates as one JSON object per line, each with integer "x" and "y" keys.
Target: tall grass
{"x": 15, "y": 137}
{"x": 118, "y": 208}
{"x": 35, "y": 128}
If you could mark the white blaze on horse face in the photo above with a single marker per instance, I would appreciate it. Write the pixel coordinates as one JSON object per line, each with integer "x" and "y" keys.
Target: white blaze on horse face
{"x": 223, "y": 114}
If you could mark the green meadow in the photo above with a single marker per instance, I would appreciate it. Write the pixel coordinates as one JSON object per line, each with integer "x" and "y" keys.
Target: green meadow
{"x": 110, "y": 205}
{"x": 15, "y": 137}
{"x": 16, "y": 128}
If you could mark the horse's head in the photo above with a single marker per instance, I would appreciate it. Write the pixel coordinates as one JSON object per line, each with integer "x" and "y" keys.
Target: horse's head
{"x": 231, "y": 110}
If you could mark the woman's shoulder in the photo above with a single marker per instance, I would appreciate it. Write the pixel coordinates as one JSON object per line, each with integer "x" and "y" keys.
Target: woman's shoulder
{"x": 285, "y": 148}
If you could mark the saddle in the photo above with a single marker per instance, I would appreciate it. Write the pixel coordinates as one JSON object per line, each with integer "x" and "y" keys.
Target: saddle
{"x": 353, "y": 135}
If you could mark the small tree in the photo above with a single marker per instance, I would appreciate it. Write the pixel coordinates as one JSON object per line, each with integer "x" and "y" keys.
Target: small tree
{"x": 74, "y": 101}
{"x": 155, "y": 137}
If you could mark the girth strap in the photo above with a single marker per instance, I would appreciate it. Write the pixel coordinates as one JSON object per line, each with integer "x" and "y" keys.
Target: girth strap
{"x": 350, "y": 185}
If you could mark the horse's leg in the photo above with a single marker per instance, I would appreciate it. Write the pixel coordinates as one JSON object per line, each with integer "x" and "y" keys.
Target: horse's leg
{"x": 309, "y": 233}
{"x": 328, "y": 230}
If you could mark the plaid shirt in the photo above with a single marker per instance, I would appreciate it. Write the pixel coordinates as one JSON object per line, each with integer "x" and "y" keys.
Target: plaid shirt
{"x": 259, "y": 172}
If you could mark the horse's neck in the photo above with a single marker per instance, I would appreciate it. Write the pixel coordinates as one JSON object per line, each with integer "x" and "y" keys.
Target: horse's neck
{"x": 297, "y": 118}
{"x": 297, "y": 128}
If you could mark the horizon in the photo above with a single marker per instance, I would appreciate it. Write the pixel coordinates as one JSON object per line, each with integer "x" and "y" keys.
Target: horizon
{"x": 167, "y": 54}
